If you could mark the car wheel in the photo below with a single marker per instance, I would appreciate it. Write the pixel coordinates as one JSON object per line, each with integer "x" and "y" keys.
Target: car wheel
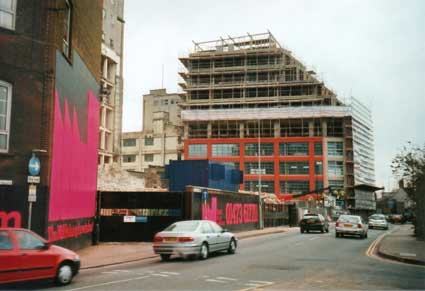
{"x": 365, "y": 235}
{"x": 165, "y": 257}
{"x": 64, "y": 274}
{"x": 327, "y": 229}
{"x": 308, "y": 231}
{"x": 322, "y": 230}
{"x": 337, "y": 235}
{"x": 203, "y": 252}
{"x": 232, "y": 247}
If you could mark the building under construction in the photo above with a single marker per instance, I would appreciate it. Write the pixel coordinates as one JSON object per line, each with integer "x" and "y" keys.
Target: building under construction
{"x": 250, "y": 102}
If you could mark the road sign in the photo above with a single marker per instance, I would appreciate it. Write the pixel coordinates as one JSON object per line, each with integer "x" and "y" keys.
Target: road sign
{"x": 129, "y": 219}
{"x": 204, "y": 194}
{"x": 32, "y": 193}
{"x": 34, "y": 166}
{"x": 33, "y": 179}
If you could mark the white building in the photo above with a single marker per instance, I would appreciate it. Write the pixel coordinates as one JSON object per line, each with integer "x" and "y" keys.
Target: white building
{"x": 111, "y": 94}
{"x": 160, "y": 141}
{"x": 363, "y": 143}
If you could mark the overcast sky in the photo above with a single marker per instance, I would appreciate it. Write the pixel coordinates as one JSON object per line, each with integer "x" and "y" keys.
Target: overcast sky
{"x": 373, "y": 50}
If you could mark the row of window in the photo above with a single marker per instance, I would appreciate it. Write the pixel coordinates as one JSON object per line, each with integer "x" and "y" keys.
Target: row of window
{"x": 265, "y": 149}
{"x": 285, "y": 168}
{"x": 289, "y": 187}
{"x": 164, "y": 102}
{"x": 131, "y": 142}
{"x": 132, "y": 158}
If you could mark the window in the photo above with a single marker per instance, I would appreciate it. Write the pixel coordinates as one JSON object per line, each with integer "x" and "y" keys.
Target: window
{"x": 155, "y": 103}
{"x": 206, "y": 228}
{"x": 335, "y": 148}
{"x": 5, "y": 242}
{"x": 335, "y": 168}
{"x": 294, "y": 187}
{"x": 338, "y": 184}
{"x": 318, "y": 168}
{"x": 293, "y": 149}
{"x": 7, "y": 13}
{"x": 67, "y": 29}
{"x": 294, "y": 168}
{"x": 129, "y": 142}
{"x": 225, "y": 150}
{"x": 319, "y": 185}
{"x": 149, "y": 140}
{"x": 197, "y": 150}
{"x": 318, "y": 148}
{"x": 251, "y": 149}
{"x": 266, "y": 186}
{"x": 266, "y": 168}
{"x": 28, "y": 241}
{"x": 164, "y": 102}
{"x": 5, "y": 107}
{"x": 128, "y": 158}
{"x": 148, "y": 157}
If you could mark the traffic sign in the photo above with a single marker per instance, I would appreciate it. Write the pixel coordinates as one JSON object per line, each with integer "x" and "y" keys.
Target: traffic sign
{"x": 32, "y": 193}
{"x": 34, "y": 166}
{"x": 204, "y": 194}
{"x": 34, "y": 179}
{"x": 129, "y": 219}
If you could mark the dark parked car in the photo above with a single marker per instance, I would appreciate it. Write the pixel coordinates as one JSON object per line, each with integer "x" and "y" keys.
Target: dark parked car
{"x": 314, "y": 222}
{"x": 396, "y": 218}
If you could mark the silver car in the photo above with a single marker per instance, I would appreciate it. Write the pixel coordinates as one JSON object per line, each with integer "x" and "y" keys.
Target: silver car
{"x": 350, "y": 224}
{"x": 193, "y": 237}
{"x": 378, "y": 221}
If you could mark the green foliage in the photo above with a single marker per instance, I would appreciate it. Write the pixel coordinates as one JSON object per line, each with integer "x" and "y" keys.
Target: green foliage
{"x": 409, "y": 164}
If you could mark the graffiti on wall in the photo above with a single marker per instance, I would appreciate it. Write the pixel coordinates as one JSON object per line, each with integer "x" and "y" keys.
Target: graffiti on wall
{"x": 10, "y": 219}
{"x": 231, "y": 214}
{"x": 75, "y": 142}
{"x": 67, "y": 230}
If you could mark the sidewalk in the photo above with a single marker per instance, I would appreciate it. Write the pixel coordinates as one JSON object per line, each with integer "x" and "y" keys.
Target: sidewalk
{"x": 105, "y": 254}
{"x": 400, "y": 245}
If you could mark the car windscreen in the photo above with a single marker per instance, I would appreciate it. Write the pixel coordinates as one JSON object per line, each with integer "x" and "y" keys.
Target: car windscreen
{"x": 306, "y": 216}
{"x": 183, "y": 226}
{"x": 349, "y": 219}
{"x": 377, "y": 217}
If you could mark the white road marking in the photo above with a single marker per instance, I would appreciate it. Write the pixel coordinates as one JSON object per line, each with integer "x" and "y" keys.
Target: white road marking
{"x": 252, "y": 284}
{"x": 108, "y": 272}
{"x": 108, "y": 283}
{"x": 215, "y": 281}
{"x": 261, "y": 282}
{"x": 313, "y": 238}
{"x": 170, "y": 273}
{"x": 226, "y": 278}
{"x": 123, "y": 271}
{"x": 407, "y": 255}
{"x": 159, "y": 275}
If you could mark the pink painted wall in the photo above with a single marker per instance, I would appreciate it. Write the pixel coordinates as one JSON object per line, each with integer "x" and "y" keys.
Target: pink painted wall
{"x": 74, "y": 162}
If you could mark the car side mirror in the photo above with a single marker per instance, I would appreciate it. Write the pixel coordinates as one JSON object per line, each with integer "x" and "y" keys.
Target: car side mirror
{"x": 46, "y": 246}
{"x": 224, "y": 230}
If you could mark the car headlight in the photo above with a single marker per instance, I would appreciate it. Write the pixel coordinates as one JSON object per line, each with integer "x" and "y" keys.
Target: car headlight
{"x": 77, "y": 258}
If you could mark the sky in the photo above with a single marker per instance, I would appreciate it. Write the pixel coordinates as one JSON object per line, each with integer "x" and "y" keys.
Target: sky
{"x": 372, "y": 50}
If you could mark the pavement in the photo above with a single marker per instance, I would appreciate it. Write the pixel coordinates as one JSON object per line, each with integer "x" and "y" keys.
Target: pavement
{"x": 112, "y": 253}
{"x": 400, "y": 245}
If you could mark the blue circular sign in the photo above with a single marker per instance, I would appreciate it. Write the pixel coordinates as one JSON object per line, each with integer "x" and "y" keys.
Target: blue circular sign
{"x": 34, "y": 166}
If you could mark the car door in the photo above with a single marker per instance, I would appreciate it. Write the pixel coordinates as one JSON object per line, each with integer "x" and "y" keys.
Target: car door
{"x": 210, "y": 236}
{"x": 10, "y": 266}
{"x": 36, "y": 261}
{"x": 223, "y": 239}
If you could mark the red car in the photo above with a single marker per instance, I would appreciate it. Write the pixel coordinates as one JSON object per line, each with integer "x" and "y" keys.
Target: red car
{"x": 26, "y": 256}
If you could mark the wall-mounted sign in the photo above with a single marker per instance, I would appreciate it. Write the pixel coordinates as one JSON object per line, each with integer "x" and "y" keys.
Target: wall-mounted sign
{"x": 141, "y": 219}
{"x": 129, "y": 219}
{"x": 34, "y": 166}
{"x": 6, "y": 182}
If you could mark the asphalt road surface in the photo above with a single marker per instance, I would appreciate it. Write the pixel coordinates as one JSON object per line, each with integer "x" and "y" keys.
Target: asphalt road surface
{"x": 290, "y": 260}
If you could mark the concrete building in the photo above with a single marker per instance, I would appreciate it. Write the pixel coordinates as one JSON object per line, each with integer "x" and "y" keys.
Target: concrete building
{"x": 160, "y": 141}
{"x": 111, "y": 92}
{"x": 363, "y": 143}
{"x": 250, "y": 102}
{"x": 50, "y": 53}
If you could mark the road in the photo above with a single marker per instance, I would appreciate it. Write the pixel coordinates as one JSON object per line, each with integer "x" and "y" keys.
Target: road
{"x": 289, "y": 260}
